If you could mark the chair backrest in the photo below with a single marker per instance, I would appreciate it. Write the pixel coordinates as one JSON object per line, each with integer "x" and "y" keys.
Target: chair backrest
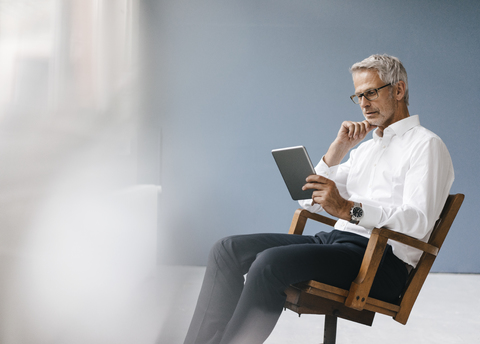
{"x": 419, "y": 274}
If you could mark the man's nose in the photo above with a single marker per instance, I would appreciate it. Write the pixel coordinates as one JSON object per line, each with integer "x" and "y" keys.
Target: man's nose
{"x": 364, "y": 102}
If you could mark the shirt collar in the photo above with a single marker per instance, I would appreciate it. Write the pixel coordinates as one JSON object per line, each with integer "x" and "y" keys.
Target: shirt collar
{"x": 398, "y": 128}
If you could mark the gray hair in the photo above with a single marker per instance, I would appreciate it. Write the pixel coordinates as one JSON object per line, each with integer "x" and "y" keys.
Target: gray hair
{"x": 389, "y": 68}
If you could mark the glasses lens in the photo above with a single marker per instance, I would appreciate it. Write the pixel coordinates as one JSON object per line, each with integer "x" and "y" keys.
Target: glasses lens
{"x": 355, "y": 99}
{"x": 371, "y": 94}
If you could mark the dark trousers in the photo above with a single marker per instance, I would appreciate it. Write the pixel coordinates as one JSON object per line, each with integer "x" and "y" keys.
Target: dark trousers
{"x": 232, "y": 310}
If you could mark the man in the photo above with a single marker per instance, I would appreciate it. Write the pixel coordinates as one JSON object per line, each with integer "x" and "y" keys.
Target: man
{"x": 400, "y": 179}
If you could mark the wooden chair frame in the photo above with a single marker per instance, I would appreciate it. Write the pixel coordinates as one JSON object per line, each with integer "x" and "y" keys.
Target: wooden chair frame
{"x": 313, "y": 297}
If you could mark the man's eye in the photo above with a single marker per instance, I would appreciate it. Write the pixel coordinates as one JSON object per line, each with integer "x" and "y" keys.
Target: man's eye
{"x": 370, "y": 93}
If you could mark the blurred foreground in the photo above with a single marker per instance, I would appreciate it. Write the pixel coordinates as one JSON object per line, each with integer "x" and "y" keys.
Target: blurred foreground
{"x": 78, "y": 233}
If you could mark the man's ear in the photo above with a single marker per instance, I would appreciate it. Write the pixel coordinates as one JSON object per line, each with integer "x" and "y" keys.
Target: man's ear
{"x": 400, "y": 90}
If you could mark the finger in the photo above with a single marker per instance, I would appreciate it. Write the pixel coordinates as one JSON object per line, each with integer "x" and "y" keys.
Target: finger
{"x": 355, "y": 130}
{"x": 325, "y": 184}
{"x": 313, "y": 199}
{"x": 317, "y": 197}
{"x": 351, "y": 129}
{"x": 315, "y": 178}
{"x": 362, "y": 130}
{"x": 313, "y": 186}
{"x": 358, "y": 130}
{"x": 347, "y": 128}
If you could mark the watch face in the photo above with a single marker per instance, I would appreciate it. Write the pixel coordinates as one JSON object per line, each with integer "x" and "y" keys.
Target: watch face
{"x": 357, "y": 212}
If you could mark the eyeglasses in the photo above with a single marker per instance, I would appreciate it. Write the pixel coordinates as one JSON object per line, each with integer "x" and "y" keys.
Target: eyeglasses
{"x": 368, "y": 94}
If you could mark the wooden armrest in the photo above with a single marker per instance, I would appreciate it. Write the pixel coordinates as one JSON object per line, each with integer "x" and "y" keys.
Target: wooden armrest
{"x": 300, "y": 218}
{"x": 407, "y": 240}
{"x": 360, "y": 288}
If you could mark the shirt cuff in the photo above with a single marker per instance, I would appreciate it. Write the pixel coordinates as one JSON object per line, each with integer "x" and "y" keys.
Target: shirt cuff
{"x": 307, "y": 205}
{"x": 371, "y": 217}
{"x": 324, "y": 170}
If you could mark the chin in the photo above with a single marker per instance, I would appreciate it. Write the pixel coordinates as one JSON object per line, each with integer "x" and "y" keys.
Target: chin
{"x": 374, "y": 122}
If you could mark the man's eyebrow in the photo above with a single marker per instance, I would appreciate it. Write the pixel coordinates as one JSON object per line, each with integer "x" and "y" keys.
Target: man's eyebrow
{"x": 369, "y": 89}
{"x": 358, "y": 93}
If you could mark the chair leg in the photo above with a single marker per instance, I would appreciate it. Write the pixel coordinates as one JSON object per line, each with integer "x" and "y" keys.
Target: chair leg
{"x": 330, "y": 331}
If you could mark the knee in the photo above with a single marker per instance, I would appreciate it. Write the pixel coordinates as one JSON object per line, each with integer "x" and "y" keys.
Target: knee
{"x": 222, "y": 245}
{"x": 223, "y": 249}
{"x": 269, "y": 265}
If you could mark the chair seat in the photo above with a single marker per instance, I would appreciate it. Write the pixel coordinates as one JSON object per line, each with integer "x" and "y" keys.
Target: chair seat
{"x": 313, "y": 297}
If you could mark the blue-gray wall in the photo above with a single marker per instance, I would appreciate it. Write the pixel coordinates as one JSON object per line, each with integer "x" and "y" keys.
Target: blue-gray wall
{"x": 228, "y": 81}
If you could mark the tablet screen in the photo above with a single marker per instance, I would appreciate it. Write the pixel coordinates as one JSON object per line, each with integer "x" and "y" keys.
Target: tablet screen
{"x": 295, "y": 166}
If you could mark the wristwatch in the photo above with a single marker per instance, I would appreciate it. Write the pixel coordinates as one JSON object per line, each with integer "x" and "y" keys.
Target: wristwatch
{"x": 356, "y": 213}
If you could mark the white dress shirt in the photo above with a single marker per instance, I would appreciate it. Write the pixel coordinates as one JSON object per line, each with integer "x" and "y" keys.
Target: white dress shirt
{"x": 401, "y": 179}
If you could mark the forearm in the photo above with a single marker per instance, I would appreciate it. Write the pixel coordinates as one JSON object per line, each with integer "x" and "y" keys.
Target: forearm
{"x": 349, "y": 135}
{"x": 335, "y": 154}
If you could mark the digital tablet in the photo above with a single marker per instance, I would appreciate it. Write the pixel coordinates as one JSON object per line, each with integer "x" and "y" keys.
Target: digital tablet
{"x": 295, "y": 166}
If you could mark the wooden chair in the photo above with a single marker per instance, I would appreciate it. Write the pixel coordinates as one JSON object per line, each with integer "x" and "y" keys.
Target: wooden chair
{"x": 354, "y": 304}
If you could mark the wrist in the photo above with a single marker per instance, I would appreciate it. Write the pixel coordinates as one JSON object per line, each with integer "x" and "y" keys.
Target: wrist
{"x": 346, "y": 211}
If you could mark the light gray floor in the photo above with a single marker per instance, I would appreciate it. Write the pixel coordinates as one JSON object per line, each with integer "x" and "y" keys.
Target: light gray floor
{"x": 446, "y": 312}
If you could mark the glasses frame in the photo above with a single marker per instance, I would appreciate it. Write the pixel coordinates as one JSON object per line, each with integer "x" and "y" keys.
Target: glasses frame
{"x": 358, "y": 96}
